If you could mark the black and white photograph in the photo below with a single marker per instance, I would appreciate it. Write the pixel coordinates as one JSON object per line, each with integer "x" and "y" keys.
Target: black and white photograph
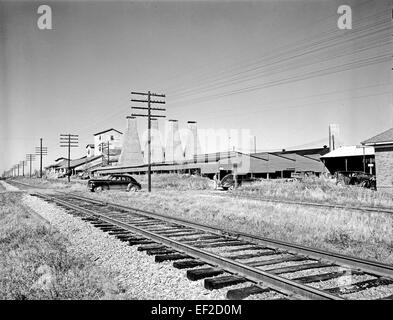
{"x": 200, "y": 157}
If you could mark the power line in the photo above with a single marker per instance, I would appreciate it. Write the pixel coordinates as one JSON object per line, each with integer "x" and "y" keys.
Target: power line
{"x": 307, "y": 45}
{"x": 371, "y": 45}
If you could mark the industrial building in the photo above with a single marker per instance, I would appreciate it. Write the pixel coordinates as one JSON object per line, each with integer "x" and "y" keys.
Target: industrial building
{"x": 185, "y": 156}
{"x": 127, "y": 154}
{"x": 258, "y": 165}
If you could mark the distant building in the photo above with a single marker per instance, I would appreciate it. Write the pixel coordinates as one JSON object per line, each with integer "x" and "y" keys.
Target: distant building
{"x": 350, "y": 158}
{"x": 112, "y": 135}
{"x": 76, "y": 165}
{"x": 90, "y": 150}
{"x": 383, "y": 145}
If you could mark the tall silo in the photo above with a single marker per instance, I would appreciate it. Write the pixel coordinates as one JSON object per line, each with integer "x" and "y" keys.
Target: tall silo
{"x": 173, "y": 146}
{"x": 131, "y": 153}
{"x": 157, "y": 150}
{"x": 192, "y": 147}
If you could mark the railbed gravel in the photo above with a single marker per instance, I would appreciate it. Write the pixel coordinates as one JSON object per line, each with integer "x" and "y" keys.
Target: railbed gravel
{"x": 141, "y": 277}
{"x": 372, "y": 293}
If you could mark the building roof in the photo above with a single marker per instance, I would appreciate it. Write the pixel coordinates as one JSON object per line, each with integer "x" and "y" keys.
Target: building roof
{"x": 349, "y": 151}
{"x": 382, "y": 138}
{"x": 111, "y": 129}
{"x": 91, "y": 145}
{"x": 81, "y": 161}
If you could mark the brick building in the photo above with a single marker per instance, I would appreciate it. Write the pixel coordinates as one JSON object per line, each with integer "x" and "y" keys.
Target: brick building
{"x": 383, "y": 145}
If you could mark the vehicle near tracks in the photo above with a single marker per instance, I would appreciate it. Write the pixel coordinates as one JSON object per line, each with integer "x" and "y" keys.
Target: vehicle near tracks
{"x": 356, "y": 178}
{"x": 114, "y": 182}
{"x": 228, "y": 182}
{"x": 84, "y": 176}
{"x": 66, "y": 174}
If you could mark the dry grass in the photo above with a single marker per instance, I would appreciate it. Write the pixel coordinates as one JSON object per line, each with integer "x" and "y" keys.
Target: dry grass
{"x": 316, "y": 190}
{"x": 73, "y": 185}
{"x": 35, "y": 263}
{"x": 362, "y": 234}
{"x": 176, "y": 182}
{"x": 159, "y": 181}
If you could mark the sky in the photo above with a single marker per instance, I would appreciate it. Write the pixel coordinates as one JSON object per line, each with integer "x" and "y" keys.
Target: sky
{"x": 281, "y": 69}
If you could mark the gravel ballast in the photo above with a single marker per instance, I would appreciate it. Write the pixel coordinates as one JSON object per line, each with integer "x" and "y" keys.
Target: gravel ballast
{"x": 137, "y": 272}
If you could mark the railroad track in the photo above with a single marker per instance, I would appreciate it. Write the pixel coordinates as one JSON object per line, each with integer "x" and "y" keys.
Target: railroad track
{"x": 232, "y": 195}
{"x": 312, "y": 204}
{"x": 256, "y": 265}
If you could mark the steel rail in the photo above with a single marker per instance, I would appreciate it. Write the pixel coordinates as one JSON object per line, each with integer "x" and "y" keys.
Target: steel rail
{"x": 313, "y": 204}
{"x": 275, "y": 282}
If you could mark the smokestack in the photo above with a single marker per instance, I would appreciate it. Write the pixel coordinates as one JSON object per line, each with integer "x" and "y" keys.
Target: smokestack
{"x": 193, "y": 146}
{"x": 131, "y": 154}
{"x": 173, "y": 149}
{"x": 334, "y": 131}
{"x": 157, "y": 151}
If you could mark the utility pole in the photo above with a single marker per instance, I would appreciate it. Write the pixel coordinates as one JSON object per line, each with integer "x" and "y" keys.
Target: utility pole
{"x": 255, "y": 144}
{"x": 18, "y": 169}
{"x": 333, "y": 142}
{"x": 108, "y": 153}
{"x": 149, "y": 118}
{"x": 23, "y": 167}
{"x": 41, "y": 151}
{"x": 30, "y": 157}
{"x": 69, "y": 141}
{"x": 104, "y": 146}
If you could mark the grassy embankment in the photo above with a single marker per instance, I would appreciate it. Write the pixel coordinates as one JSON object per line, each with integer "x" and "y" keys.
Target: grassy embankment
{"x": 316, "y": 190}
{"x": 35, "y": 263}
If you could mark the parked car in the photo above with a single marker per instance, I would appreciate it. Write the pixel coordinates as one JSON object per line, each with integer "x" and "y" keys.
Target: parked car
{"x": 114, "y": 182}
{"x": 356, "y": 178}
{"x": 228, "y": 182}
{"x": 66, "y": 174}
{"x": 84, "y": 176}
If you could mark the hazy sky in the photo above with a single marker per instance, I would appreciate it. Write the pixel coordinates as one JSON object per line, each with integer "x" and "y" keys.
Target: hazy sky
{"x": 281, "y": 69}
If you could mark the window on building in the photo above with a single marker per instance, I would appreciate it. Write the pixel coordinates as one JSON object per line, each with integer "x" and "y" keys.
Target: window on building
{"x": 112, "y": 138}
{"x": 99, "y": 138}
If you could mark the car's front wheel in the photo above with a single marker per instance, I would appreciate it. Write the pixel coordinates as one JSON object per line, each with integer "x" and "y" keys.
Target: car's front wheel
{"x": 131, "y": 187}
{"x": 98, "y": 189}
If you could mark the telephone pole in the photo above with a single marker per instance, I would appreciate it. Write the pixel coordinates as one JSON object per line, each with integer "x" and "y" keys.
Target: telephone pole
{"x": 23, "y": 167}
{"x": 104, "y": 146}
{"x": 30, "y": 157}
{"x": 41, "y": 151}
{"x": 69, "y": 141}
{"x": 149, "y": 118}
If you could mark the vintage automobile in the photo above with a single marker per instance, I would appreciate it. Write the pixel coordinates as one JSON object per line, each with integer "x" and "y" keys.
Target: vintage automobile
{"x": 66, "y": 174}
{"x": 114, "y": 182}
{"x": 84, "y": 175}
{"x": 356, "y": 178}
{"x": 228, "y": 182}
